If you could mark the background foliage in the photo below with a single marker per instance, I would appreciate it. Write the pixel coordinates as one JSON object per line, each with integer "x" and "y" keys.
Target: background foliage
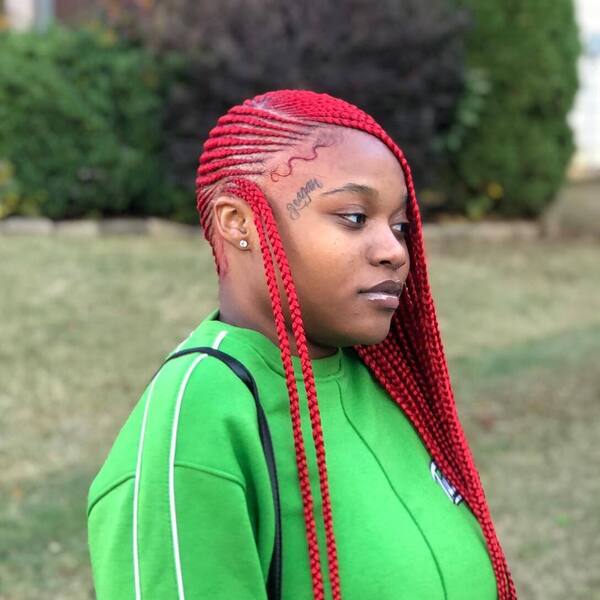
{"x": 80, "y": 125}
{"x": 514, "y": 143}
{"x": 400, "y": 60}
{"x": 106, "y": 121}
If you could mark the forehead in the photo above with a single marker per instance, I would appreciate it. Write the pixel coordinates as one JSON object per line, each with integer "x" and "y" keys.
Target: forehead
{"x": 353, "y": 156}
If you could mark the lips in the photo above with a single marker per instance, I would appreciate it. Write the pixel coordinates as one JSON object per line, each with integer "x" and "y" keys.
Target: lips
{"x": 389, "y": 286}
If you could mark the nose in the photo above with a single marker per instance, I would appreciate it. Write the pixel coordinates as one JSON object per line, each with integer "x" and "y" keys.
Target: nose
{"x": 387, "y": 249}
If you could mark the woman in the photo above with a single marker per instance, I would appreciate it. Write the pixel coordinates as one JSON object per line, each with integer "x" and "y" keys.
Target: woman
{"x": 311, "y": 214}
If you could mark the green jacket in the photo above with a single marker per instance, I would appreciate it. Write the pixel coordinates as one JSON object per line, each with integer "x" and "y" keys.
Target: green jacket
{"x": 182, "y": 507}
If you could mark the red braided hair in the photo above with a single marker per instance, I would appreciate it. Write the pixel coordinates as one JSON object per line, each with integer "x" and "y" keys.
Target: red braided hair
{"x": 409, "y": 363}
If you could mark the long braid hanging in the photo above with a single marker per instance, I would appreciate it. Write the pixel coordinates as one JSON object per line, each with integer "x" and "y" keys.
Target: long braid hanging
{"x": 255, "y": 198}
{"x": 410, "y": 363}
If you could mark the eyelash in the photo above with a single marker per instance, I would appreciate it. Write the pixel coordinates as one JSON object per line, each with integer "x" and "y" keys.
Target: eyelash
{"x": 405, "y": 226}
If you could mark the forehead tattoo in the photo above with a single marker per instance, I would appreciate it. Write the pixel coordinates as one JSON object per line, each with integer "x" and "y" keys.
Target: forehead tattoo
{"x": 303, "y": 197}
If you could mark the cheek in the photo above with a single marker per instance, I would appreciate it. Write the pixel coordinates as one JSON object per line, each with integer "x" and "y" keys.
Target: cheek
{"x": 326, "y": 269}
{"x": 311, "y": 266}
{"x": 324, "y": 260}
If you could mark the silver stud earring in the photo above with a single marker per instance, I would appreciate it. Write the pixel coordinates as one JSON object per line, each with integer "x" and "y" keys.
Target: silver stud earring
{"x": 243, "y": 243}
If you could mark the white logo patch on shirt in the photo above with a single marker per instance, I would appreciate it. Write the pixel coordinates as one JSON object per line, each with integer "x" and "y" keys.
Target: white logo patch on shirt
{"x": 448, "y": 488}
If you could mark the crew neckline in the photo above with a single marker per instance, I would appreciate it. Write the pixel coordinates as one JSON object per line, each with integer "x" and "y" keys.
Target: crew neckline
{"x": 329, "y": 366}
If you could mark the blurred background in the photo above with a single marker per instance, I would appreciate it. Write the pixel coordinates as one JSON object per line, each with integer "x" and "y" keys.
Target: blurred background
{"x": 104, "y": 107}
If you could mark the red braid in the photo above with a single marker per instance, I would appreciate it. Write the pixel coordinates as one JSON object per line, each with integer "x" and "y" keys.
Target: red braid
{"x": 410, "y": 363}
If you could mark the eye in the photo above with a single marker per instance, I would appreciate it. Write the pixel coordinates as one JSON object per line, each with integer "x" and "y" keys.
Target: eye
{"x": 361, "y": 216}
{"x": 401, "y": 228}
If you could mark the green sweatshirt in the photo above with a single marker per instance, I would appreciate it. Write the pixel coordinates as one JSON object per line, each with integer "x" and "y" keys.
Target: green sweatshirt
{"x": 182, "y": 507}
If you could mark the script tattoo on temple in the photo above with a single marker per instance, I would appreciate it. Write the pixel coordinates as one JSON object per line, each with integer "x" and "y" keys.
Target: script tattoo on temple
{"x": 303, "y": 198}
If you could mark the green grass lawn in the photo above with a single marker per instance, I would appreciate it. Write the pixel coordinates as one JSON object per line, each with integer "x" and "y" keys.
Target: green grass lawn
{"x": 84, "y": 323}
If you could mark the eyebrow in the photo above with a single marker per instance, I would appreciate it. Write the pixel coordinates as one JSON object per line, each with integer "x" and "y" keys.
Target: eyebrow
{"x": 358, "y": 188}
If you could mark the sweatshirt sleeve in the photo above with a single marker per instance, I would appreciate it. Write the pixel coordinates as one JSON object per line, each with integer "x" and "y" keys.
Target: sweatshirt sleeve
{"x": 182, "y": 507}
{"x": 212, "y": 555}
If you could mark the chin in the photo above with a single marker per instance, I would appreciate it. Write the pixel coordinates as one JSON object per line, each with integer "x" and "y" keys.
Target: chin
{"x": 371, "y": 339}
{"x": 352, "y": 330}
{"x": 367, "y": 336}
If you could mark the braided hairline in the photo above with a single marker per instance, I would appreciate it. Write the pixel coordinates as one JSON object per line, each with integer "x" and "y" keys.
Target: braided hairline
{"x": 239, "y": 145}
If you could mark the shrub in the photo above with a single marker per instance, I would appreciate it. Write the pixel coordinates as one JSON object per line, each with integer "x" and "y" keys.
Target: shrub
{"x": 401, "y": 60}
{"x": 511, "y": 155}
{"x": 80, "y": 121}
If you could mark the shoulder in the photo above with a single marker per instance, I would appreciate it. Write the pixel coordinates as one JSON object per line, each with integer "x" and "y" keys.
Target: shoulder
{"x": 203, "y": 377}
{"x": 210, "y": 407}
{"x": 195, "y": 412}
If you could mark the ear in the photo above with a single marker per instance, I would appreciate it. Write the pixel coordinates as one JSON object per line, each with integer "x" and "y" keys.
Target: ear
{"x": 233, "y": 220}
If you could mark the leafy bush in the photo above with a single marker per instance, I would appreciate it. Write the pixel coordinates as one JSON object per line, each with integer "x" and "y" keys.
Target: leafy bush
{"x": 80, "y": 122}
{"x": 401, "y": 60}
{"x": 511, "y": 155}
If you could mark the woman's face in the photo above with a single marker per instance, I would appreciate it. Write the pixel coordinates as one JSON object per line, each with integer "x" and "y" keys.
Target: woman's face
{"x": 342, "y": 219}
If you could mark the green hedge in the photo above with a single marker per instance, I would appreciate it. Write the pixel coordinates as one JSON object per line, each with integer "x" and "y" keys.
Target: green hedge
{"x": 512, "y": 143}
{"x": 80, "y": 126}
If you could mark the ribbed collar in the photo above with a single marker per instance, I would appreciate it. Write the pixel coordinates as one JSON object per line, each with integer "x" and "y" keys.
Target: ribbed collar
{"x": 330, "y": 366}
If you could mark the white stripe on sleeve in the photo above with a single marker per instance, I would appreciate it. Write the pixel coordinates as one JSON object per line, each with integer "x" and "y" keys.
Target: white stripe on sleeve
{"x": 175, "y": 538}
{"x": 174, "y": 532}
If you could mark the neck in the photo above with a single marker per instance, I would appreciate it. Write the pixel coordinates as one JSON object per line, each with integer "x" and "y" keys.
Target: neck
{"x": 233, "y": 313}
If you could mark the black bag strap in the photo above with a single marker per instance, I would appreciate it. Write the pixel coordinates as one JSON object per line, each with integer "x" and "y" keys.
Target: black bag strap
{"x": 274, "y": 577}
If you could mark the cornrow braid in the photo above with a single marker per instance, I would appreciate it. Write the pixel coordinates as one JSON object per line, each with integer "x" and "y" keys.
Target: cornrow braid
{"x": 409, "y": 363}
